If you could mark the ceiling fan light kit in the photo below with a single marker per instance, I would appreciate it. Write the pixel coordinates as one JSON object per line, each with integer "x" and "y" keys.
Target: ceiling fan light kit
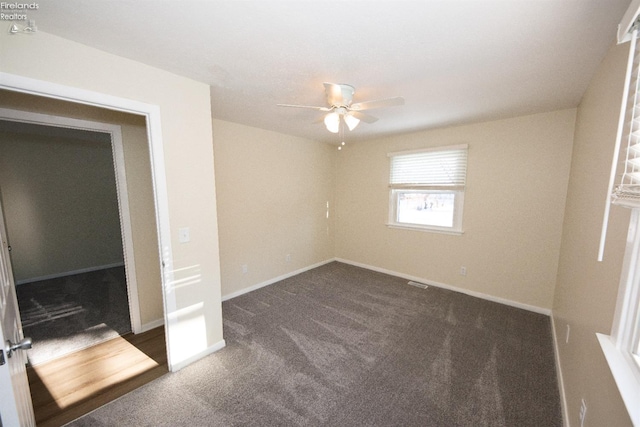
{"x": 340, "y": 100}
{"x": 332, "y": 122}
{"x": 351, "y": 121}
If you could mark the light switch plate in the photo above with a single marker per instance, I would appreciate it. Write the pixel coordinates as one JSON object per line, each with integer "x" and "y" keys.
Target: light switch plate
{"x": 183, "y": 234}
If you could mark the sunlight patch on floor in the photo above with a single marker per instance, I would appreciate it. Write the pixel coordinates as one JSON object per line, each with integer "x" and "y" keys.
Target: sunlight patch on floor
{"x": 98, "y": 368}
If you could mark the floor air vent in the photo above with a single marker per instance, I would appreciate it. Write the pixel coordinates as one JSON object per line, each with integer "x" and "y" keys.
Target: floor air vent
{"x": 418, "y": 284}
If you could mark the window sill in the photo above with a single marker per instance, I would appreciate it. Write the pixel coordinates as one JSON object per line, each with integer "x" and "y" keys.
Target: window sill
{"x": 427, "y": 229}
{"x": 626, "y": 375}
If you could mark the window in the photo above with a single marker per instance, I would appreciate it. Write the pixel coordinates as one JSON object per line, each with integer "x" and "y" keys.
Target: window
{"x": 426, "y": 188}
{"x": 622, "y": 347}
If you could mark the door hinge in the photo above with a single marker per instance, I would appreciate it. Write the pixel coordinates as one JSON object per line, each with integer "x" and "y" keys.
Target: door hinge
{"x": 2, "y": 362}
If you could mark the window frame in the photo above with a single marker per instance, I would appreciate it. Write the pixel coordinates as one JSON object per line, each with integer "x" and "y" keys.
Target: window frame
{"x": 621, "y": 346}
{"x": 456, "y": 228}
{"x": 457, "y": 190}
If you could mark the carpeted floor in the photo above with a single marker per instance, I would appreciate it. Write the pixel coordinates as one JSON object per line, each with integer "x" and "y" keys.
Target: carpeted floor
{"x": 71, "y": 313}
{"x": 344, "y": 346}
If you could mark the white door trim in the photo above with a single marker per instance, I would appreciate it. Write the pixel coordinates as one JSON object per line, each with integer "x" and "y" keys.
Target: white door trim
{"x": 115, "y": 133}
{"x": 16, "y": 407}
{"x": 151, "y": 112}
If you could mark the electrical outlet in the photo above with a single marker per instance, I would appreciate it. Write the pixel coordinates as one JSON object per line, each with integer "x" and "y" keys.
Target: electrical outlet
{"x": 463, "y": 271}
{"x": 568, "y": 331}
{"x": 583, "y": 411}
{"x": 288, "y": 258}
{"x": 245, "y": 268}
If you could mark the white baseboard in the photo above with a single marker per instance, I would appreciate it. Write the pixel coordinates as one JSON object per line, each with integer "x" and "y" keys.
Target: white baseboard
{"x": 274, "y": 280}
{"x": 68, "y": 273}
{"x": 563, "y": 395}
{"x": 504, "y": 301}
{"x": 152, "y": 325}
{"x": 481, "y": 295}
{"x": 184, "y": 363}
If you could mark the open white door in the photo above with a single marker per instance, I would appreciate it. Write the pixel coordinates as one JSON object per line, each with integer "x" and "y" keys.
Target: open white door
{"x": 16, "y": 408}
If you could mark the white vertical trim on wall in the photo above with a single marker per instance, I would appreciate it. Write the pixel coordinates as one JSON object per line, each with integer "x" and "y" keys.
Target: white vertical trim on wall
{"x": 161, "y": 197}
{"x": 616, "y": 149}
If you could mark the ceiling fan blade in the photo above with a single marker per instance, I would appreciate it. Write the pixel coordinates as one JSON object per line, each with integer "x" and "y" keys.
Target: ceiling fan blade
{"x": 305, "y": 106}
{"x": 363, "y": 117}
{"x": 379, "y": 103}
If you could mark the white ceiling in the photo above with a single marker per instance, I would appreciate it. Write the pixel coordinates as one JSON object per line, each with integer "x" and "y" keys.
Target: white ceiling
{"x": 453, "y": 61}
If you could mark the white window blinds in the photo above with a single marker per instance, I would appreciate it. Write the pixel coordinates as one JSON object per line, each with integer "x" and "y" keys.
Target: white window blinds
{"x": 627, "y": 192}
{"x": 441, "y": 168}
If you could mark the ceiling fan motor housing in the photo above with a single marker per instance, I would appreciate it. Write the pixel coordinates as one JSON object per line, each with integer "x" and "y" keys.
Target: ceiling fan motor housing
{"x": 339, "y": 95}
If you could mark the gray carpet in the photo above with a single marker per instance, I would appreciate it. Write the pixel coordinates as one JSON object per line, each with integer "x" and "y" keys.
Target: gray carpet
{"x": 344, "y": 346}
{"x": 70, "y": 313}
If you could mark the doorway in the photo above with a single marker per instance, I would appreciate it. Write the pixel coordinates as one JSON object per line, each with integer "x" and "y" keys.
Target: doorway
{"x": 63, "y": 222}
{"x": 128, "y": 142}
{"x": 150, "y": 113}
{"x": 130, "y": 138}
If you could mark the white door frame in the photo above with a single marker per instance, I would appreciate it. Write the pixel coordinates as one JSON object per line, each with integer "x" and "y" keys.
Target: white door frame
{"x": 151, "y": 112}
{"x": 117, "y": 150}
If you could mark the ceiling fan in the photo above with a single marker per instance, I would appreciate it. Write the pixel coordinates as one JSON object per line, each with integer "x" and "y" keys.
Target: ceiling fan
{"x": 340, "y": 100}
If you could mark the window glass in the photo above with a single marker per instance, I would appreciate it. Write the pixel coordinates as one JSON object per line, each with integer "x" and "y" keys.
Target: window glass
{"x": 426, "y": 188}
{"x": 425, "y": 208}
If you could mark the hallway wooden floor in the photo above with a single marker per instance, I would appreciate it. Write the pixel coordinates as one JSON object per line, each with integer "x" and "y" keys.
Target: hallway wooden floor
{"x": 67, "y": 388}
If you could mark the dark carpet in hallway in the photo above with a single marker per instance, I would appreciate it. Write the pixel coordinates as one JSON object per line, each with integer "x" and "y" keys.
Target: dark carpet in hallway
{"x": 70, "y": 313}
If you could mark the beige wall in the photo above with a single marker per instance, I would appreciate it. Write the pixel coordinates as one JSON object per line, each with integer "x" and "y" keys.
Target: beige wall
{"x": 513, "y": 208}
{"x": 139, "y": 187}
{"x": 184, "y": 105}
{"x": 60, "y": 203}
{"x": 586, "y": 289}
{"x": 272, "y": 192}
